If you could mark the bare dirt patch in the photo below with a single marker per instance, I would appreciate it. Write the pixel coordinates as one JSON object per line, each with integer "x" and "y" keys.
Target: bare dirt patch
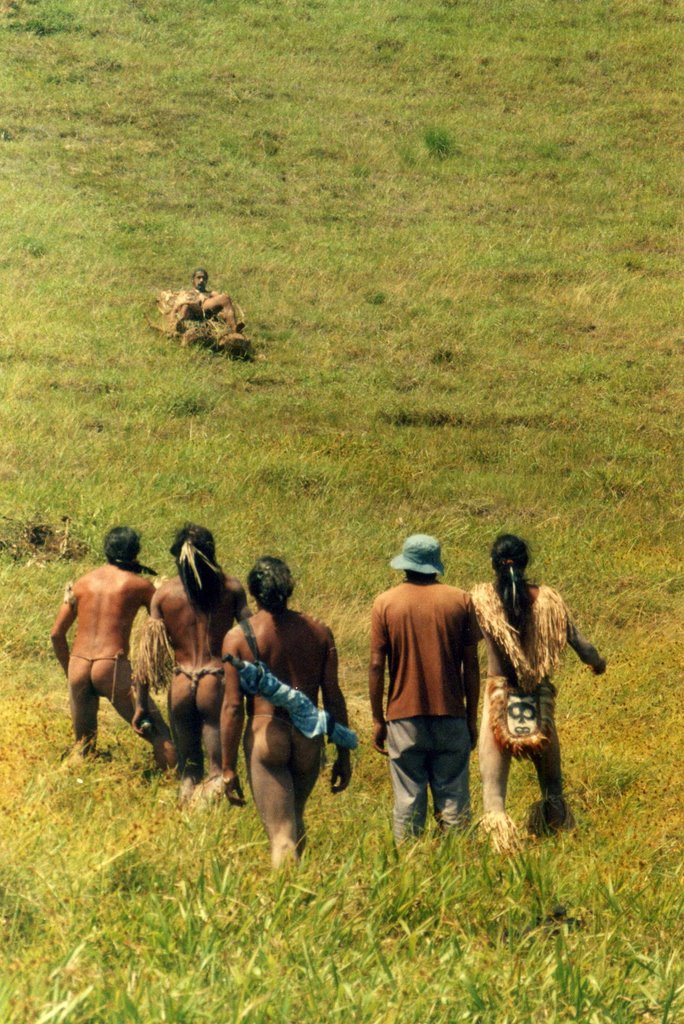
{"x": 35, "y": 540}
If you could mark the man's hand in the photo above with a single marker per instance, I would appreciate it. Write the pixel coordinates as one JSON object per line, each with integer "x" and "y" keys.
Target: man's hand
{"x": 139, "y": 717}
{"x": 233, "y": 789}
{"x": 341, "y": 771}
{"x": 472, "y": 729}
{"x": 379, "y": 737}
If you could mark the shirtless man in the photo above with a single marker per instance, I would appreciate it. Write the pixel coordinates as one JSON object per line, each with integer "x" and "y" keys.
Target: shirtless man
{"x": 197, "y": 303}
{"x": 282, "y": 764}
{"x": 197, "y": 608}
{"x": 105, "y": 602}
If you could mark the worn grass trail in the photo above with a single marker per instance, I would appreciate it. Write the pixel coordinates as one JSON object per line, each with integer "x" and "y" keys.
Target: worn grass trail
{"x": 453, "y": 227}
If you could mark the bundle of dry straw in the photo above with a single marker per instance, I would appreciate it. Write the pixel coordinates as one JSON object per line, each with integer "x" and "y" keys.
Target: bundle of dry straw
{"x": 546, "y": 636}
{"x": 500, "y": 830}
{"x": 215, "y": 335}
{"x": 154, "y": 659}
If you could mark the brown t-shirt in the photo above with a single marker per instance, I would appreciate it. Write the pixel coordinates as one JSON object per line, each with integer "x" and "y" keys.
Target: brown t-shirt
{"x": 422, "y": 629}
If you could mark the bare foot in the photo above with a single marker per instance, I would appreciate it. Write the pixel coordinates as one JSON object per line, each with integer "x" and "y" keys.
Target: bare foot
{"x": 208, "y": 792}
{"x": 186, "y": 792}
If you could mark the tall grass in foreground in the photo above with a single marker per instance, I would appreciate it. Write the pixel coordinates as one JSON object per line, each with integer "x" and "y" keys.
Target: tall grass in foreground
{"x": 452, "y": 227}
{"x": 168, "y": 918}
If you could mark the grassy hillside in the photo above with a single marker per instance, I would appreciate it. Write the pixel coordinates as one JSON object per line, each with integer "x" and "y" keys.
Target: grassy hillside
{"x": 452, "y": 226}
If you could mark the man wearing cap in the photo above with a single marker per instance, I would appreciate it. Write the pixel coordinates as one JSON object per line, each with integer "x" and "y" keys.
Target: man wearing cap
{"x": 426, "y": 633}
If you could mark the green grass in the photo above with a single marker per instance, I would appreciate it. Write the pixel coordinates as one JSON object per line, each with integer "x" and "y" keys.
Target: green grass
{"x": 453, "y": 228}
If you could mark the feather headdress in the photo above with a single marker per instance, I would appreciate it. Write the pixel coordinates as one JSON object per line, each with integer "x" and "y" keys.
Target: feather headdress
{"x": 188, "y": 555}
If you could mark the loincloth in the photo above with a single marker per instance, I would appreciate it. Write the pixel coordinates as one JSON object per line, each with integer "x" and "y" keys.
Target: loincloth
{"x": 195, "y": 676}
{"x": 277, "y": 715}
{"x": 93, "y": 661}
{"x": 522, "y": 722}
{"x": 121, "y": 685}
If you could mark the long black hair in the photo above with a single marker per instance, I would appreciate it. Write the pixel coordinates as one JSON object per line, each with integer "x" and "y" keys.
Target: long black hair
{"x": 510, "y": 555}
{"x": 270, "y": 583}
{"x": 202, "y": 579}
{"x": 121, "y": 548}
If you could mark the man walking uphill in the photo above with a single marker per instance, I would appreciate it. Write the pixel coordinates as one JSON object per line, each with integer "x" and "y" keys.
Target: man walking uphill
{"x": 105, "y": 603}
{"x": 426, "y": 633}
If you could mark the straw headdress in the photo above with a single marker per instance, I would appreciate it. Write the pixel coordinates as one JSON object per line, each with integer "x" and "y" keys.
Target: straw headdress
{"x": 536, "y": 655}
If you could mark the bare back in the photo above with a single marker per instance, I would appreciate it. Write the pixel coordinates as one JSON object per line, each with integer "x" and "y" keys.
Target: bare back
{"x": 196, "y": 638}
{"x": 106, "y": 602}
{"x": 282, "y": 764}
{"x": 295, "y": 647}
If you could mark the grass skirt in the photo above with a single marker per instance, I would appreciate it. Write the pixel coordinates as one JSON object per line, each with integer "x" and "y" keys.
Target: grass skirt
{"x": 154, "y": 659}
{"x": 500, "y": 831}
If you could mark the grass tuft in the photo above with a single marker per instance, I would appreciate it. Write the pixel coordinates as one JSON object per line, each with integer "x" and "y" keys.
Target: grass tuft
{"x": 439, "y": 143}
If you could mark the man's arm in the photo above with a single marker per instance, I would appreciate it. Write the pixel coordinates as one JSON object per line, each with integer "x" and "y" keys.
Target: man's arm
{"x": 242, "y": 610}
{"x": 376, "y": 682}
{"x": 232, "y": 721}
{"x": 66, "y": 616}
{"x": 471, "y": 686}
{"x": 148, "y": 594}
{"x": 335, "y": 704}
{"x": 585, "y": 651}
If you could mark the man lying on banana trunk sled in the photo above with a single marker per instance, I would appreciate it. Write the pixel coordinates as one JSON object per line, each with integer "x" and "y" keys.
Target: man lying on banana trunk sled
{"x": 525, "y": 628}
{"x": 200, "y": 316}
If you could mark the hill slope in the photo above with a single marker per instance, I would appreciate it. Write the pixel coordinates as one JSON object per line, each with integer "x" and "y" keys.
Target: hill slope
{"x": 452, "y": 226}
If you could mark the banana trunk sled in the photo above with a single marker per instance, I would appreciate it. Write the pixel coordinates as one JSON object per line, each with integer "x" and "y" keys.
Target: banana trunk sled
{"x": 154, "y": 668}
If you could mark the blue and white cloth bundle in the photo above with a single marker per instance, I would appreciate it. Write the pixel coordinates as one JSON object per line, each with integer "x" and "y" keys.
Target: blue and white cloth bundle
{"x": 257, "y": 679}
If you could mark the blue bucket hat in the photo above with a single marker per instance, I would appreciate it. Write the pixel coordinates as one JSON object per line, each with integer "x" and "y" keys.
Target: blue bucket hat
{"x": 420, "y": 553}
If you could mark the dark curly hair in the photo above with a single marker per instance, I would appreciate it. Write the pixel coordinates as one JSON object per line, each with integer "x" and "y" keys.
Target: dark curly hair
{"x": 270, "y": 583}
{"x": 510, "y": 555}
{"x": 121, "y": 548}
{"x": 202, "y": 579}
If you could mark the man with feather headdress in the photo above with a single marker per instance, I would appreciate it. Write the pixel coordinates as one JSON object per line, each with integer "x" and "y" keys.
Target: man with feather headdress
{"x": 192, "y": 613}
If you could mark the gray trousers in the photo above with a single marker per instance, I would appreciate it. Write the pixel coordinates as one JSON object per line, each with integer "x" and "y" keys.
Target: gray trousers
{"x": 429, "y": 751}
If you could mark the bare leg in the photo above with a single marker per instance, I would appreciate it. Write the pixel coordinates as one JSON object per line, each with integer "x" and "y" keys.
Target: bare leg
{"x": 495, "y": 765}
{"x": 553, "y": 813}
{"x": 164, "y": 749}
{"x": 209, "y": 698}
{"x": 306, "y": 765}
{"x": 84, "y": 703}
{"x": 113, "y": 680}
{"x": 187, "y": 727}
{"x": 267, "y": 752}
{"x": 222, "y": 307}
{"x": 186, "y": 311}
